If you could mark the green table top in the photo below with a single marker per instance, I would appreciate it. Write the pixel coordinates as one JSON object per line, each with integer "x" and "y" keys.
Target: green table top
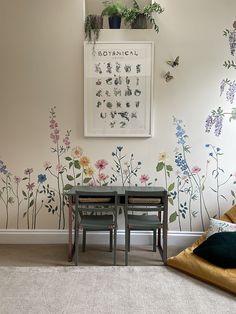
{"x": 119, "y": 189}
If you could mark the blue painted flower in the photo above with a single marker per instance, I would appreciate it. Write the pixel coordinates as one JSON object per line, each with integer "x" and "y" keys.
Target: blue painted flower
{"x": 42, "y": 178}
{"x": 3, "y": 168}
{"x": 180, "y": 133}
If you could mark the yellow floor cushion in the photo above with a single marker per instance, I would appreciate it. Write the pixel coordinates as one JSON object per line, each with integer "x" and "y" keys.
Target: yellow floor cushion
{"x": 190, "y": 263}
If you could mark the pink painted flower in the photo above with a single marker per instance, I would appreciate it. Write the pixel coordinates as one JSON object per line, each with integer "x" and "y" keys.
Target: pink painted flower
{"x": 196, "y": 169}
{"x": 30, "y": 186}
{"x": 59, "y": 168}
{"x": 177, "y": 173}
{"x": 28, "y": 171}
{"x": 53, "y": 124}
{"x": 76, "y": 152}
{"x": 66, "y": 141}
{"x": 47, "y": 165}
{"x": 184, "y": 178}
{"x": 17, "y": 179}
{"x": 144, "y": 178}
{"x": 101, "y": 164}
{"x": 55, "y": 136}
{"x": 126, "y": 172}
{"x": 102, "y": 176}
{"x": 92, "y": 183}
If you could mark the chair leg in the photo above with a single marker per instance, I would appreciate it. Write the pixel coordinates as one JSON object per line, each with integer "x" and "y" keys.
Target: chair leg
{"x": 154, "y": 240}
{"x": 159, "y": 238}
{"x": 126, "y": 246}
{"x": 128, "y": 240}
{"x": 114, "y": 250}
{"x": 111, "y": 231}
{"x": 76, "y": 253}
{"x": 84, "y": 239}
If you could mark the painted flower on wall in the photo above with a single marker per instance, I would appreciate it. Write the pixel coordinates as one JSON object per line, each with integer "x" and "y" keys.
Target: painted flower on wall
{"x": 101, "y": 164}
{"x": 76, "y": 152}
{"x": 144, "y": 179}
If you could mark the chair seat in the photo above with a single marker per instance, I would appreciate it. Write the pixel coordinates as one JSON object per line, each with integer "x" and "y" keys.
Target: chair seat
{"x": 95, "y": 199}
{"x": 97, "y": 222}
{"x": 143, "y": 222}
{"x": 144, "y": 200}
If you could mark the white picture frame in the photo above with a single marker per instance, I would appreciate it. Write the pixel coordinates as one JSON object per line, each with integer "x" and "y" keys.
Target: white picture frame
{"x": 118, "y": 89}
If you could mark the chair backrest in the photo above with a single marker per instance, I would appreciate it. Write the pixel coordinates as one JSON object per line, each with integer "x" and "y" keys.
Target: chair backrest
{"x": 96, "y": 201}
{"x": 144, "y": 201}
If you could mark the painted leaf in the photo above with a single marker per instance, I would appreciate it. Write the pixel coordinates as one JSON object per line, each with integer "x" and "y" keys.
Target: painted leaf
{"x": 23, "y": 192}
{"x": 169, "y": 168}
{"x": 223, "y": 197}
{"x": 67, "y": 187}
{"x": 86, "y": 180}
{"x": 69, "y": 177}
{"x": 68, "y": 158}
{"x": 78, "y": 175}
{"x": 171, "y": 187}
{"x": 77, "y": 164}
{"x": 171, "y": 201}
{"x": 232, "y": 193}
{"x": 160, "y": 166}
{"x": 70, "y": 164}
{"x": 173, "y": 217}
{"x": 31, "y": 203}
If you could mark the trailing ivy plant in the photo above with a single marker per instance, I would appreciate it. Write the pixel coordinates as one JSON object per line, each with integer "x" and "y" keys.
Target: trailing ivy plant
{"x": 92, "y": 26}
{"x": 131, "y": 14}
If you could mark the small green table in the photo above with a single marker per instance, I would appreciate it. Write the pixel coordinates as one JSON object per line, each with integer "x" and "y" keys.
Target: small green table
{"x": 159, "y": 191}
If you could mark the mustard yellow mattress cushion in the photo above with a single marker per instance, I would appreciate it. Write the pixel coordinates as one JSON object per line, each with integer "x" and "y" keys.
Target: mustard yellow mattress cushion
{"x": 190, "y": 263}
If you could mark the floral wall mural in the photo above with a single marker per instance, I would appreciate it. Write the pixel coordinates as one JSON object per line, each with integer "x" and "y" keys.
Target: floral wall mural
{"x": 29, "y": 193}
{"x": 191, "y": 153}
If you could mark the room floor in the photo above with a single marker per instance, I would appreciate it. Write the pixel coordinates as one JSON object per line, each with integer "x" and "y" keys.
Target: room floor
{"x": 95, "y": 255}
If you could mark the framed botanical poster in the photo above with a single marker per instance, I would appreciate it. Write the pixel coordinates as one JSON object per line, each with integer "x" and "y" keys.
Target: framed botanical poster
{"x": 118, "y": 79}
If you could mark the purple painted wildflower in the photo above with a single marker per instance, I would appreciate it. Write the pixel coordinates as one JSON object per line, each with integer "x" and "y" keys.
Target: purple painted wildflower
{"x": 231, "y": 92}
{"x": 28, "y": 171}
{"x": 209, "y": 123}
{"x": 218, "y": 125}
{"x": 216, "y": 119}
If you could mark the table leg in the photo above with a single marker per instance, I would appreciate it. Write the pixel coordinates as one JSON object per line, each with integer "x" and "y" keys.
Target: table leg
{"x": 70, "y": 229}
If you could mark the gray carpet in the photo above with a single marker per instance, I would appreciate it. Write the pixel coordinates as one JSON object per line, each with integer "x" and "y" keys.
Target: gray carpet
{"x": 107, "y": 290}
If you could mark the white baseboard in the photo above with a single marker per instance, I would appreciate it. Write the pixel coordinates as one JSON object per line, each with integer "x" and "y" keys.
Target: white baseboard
{"x": 43, "y": 236}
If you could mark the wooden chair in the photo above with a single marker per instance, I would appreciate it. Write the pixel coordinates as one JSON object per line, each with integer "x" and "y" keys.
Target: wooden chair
{"x": 89, "y": 216}
{"x": 138, "y": 204}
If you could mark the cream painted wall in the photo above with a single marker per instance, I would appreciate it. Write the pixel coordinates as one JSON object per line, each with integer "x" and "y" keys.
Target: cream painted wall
{"x": 41, "y": 61}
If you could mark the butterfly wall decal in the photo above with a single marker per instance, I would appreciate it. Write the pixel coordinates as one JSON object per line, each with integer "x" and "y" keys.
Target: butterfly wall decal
{"x": 168, "y": 77}
{"x": 174, "y": 63}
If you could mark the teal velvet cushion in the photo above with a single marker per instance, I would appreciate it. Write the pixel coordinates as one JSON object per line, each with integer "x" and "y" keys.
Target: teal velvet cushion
{"x": 219, "y": 249}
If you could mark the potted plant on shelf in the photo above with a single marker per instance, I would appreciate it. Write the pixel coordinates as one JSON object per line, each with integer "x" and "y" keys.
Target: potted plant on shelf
{"x": 92, "y": 26}
{"x": 114, "y": 11}
{"x": 138, "y": 18}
